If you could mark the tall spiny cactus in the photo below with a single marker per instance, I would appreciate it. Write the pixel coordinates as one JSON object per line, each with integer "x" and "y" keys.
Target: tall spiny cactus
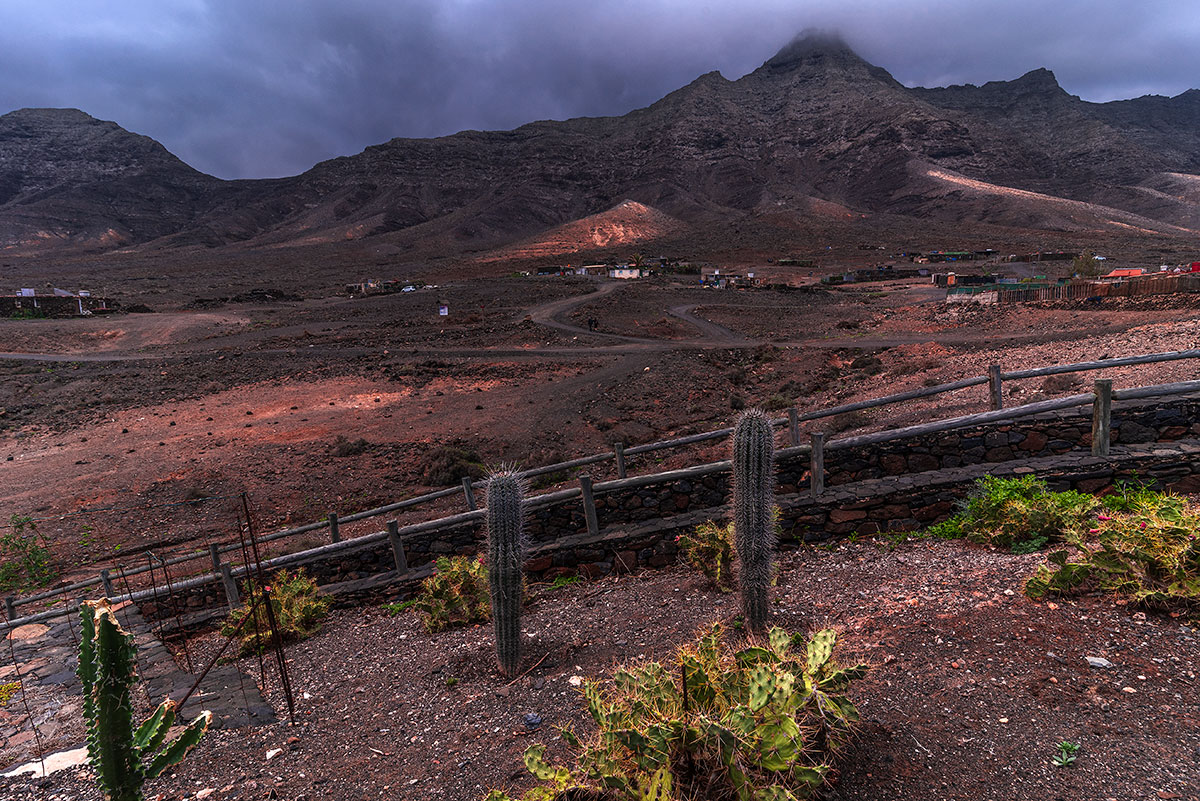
{"x": 754, "y": 511}
{"x": 123, "y": 757}
{"x": 506, "y": 557}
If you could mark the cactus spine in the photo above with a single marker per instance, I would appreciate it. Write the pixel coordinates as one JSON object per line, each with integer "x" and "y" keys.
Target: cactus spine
{"x": 123, "y": 757}
{"x": 506, "y": 558}
{"x": 754, "y": 512}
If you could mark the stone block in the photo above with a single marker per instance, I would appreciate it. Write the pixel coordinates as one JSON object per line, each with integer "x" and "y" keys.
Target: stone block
{"x": 923, "y": 462}
{"x": 1034, "y": 442}
{"x": 844, "y": 515}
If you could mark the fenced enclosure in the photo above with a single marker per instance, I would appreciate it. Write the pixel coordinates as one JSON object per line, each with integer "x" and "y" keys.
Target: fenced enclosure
{"x": 219, "y": 562}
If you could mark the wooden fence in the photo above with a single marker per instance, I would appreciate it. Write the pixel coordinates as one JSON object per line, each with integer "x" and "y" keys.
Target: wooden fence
{"x": 1101, "y": 398}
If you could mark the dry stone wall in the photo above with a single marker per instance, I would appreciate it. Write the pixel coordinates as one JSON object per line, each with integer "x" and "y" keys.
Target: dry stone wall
{"x": 890, "y": 487}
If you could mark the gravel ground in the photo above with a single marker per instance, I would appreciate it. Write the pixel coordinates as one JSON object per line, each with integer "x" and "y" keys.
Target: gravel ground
{"x": 971, "y": 689}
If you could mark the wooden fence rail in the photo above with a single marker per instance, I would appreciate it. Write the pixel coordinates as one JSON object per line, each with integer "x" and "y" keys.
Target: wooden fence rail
{"x": 621, "y": 454}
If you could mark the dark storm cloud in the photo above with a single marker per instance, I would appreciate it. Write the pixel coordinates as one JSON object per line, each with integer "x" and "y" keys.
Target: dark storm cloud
{"x": 268, "y": 87}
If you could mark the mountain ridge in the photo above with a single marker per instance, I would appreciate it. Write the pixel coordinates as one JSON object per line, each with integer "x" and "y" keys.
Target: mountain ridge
{"x": 814, "y": 123}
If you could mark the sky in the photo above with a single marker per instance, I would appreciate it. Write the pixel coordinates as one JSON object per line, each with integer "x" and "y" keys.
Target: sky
{"x": 267, "y": 88}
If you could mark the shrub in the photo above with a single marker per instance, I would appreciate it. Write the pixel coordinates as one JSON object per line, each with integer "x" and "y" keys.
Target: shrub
{"x": 297, "y": 605}
{"x": 342, "y": 446}
{"x": 449, "y": 465}
{"x": 761, "y": 723}
{"x": 1017, "y": 513}
{"x": 709, "y": 549}
{"x": 24, "y": 560}
{"x": 455, "y": 595}
{"x": 1143, "y": 545}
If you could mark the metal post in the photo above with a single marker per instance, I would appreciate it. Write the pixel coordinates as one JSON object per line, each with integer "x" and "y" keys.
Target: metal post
{"x": 794, "y": 425}
{"x": 619, "y": 449}
{"x": 469, "y": 493}
{"x": 335, "y": 531}
{"x": 106, "y": 580}
{"x": 393, "y": 529}
{"x": 589, "y": 504}
{"x": 995, "y": 388}
{"x": 816, "y": 474}
{"x": 231, "y": 590}
{"x": 1101, "y": 416}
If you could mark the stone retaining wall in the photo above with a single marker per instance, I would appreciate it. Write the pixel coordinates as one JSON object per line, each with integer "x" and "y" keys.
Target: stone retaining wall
{"x": 888, "y": 487}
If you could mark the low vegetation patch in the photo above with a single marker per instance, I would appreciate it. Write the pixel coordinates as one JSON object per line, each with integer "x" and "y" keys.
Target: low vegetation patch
{"x": 296, "y": 604}
{"x": 24, "y": 556}
{"x": 1018, "y": 514}
{"x": 709, "y": 549}
{"x": 1135, "y": 541}
{"x": 455, "y": 595}
{"x": 1142, "y": 544}
{"x": 763, "y": 722}
{"x": 449, "y": 465}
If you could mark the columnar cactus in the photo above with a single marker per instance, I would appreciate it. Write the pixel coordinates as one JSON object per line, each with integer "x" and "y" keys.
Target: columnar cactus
{"x": 123, "y": 757}
{"x": 506, "y": 557}
{"x": 754, "y": 511}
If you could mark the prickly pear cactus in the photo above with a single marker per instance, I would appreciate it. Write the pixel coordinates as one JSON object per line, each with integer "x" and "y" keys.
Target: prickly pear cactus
{"x": 506, "y": 557}
{"x": 123, "y": 757}
{"x": 753, "y": 512}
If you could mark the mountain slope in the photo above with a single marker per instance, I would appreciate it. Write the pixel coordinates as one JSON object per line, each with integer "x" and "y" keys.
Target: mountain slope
{"x": 814, "y": 127}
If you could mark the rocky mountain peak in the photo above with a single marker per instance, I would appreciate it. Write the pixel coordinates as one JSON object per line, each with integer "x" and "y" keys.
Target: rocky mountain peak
{"x": 1039, "y": 80}
{"x": 825, "y": 48}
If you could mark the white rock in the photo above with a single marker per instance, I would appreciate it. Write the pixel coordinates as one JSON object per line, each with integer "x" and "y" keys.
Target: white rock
{"x": 274, "y": 752}
{"x": 1098, "y": 662}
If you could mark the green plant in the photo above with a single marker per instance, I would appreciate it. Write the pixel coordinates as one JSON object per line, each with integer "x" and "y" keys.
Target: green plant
{"x": 562, "y": 582}
{"x": 123, "y": 757}
{"x": 296, "y": 604}
{"x": 1144, "y": 545}
{"x": 709, "y": 549}
{"x": 761, "y": 723}
{"x": 24, "y": 560}
{"x": 506, "y": 559}
{"x": 1015, "y": 513}
{"x": 397, "y": 607}
{"x": 1065, "y": 757}
{"x": 753, "y": 512}
{"x": 8, "y": 690}
{"x": 456, "y": 594}
{"x": 451, "y": 681}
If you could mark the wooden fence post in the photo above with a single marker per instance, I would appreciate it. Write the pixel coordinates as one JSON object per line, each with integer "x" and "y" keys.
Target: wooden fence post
{"x": 1101, "y": 416}
{"x": 816, "y": 475}
{"x": 214, "y": 552}
{"x": 10, "y": 607}
{"x": 995, "y": 388}
{"x": 335, "y": 530}
{"x": 794, "y": 425}
{"x": 393, "y": 529}
{"x": 231, "y": 589}
{"x": 589, "y": 505}
{"x": 619, "y": 449}
{"x": 106, "y": 580}
{"x": 469, "y": 494}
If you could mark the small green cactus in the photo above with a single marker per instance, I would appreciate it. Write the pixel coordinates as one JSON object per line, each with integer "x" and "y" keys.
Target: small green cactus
{"x": 754, "y": 512}
{"x": 123, "y": 757}
{"x": 506, "y": 559}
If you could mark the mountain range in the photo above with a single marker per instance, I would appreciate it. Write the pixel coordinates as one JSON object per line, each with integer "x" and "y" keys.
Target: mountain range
{"x": 814, "y": 132}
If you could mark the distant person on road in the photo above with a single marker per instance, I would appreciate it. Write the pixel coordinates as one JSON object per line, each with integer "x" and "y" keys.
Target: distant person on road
{"x": 592, "y": 324}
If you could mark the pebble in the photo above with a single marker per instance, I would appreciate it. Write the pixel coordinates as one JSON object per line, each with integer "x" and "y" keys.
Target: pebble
{"x": 1098, "y": 662}
{"x": 532, "y": 720}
